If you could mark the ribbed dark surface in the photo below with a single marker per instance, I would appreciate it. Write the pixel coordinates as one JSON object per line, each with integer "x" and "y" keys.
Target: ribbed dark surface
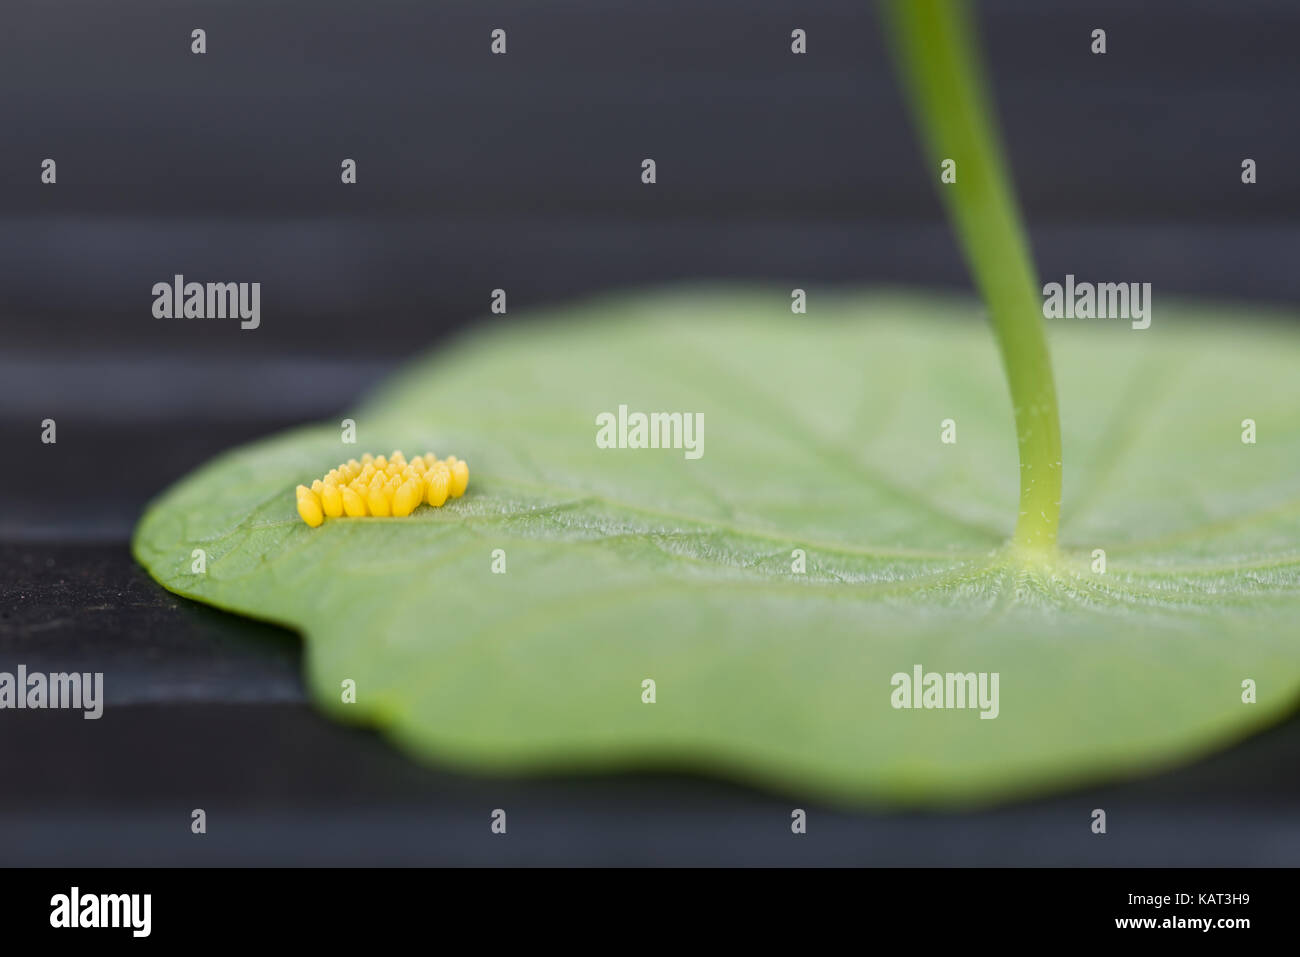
{"x": 522, "y": 171}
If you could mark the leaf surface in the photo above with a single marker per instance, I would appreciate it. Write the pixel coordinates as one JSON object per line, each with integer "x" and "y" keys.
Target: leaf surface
{"x": 822, "y": 433}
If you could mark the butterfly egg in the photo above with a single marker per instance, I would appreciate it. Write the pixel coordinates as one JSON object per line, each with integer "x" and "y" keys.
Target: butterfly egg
{"x": 354, "y": 503}
{"x": 331, "y": 500}
{"x": 437, "y": 481}
{"x": 377, "y": 501}
{"x": 406, "y": 497}
{"x": 459, "y": 478}
{"x": 379, "y": 486}
{"x": 309, "y": 506}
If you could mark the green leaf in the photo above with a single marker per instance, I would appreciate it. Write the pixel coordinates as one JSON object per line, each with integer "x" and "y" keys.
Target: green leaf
{"x": 822, "y": 434}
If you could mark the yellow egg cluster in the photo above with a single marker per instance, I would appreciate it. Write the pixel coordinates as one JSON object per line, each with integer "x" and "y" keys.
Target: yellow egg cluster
{"x": 382, "y": 486}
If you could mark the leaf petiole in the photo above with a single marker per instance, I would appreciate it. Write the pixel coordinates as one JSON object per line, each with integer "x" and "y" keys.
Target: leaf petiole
{"x": 940, "y": 65}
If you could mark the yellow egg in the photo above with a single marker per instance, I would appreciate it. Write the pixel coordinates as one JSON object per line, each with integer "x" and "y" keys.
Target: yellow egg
{"x": 378, "y": 503}
{"x": 379, "y": 486}
{"x": 309, "y": 506}
{"x": 353, "y": 502}
{"x": 436, "y": 483}
{"x": 406, "y": 497}
{"x": 331, "y": 500}
{"x": 459, "y": 478}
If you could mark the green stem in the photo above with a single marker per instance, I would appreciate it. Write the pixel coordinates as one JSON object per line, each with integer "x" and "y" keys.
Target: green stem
{"x": 939, "y": 61}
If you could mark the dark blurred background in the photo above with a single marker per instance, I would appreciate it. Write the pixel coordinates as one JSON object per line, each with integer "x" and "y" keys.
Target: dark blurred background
{"x": 523, "y": 172}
